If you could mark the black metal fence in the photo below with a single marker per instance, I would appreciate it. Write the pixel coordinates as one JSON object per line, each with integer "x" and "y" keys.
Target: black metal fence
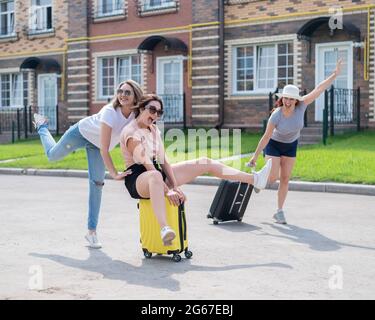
{"x": 18, "y": 121}
{"x": 174, "y": 109}
{"x": 341, "y": 106}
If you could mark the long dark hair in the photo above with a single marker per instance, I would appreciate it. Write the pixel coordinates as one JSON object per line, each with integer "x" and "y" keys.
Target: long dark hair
{"x": 144, "y": 102}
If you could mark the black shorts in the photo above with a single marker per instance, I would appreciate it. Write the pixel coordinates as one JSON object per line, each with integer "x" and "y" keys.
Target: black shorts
{"x": 278, "y": 149}
{"x": 130, "y": 180}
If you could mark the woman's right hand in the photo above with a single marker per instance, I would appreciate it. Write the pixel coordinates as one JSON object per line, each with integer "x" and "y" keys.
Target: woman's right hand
{"x": 121, "y": 176}
{"x": 173, "y": 197}
{"x": 252, "y": 162}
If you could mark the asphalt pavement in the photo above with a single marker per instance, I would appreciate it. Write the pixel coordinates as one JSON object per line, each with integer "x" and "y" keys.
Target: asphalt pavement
{"x": 327, "y": 251}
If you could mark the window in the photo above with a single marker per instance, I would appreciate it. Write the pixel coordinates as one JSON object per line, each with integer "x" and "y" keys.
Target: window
{"x": 6, "y": 18}
{"x": 13, "y": 89}
{"x": 158, "y": 4}
{"x": 113, "y": 70}
{"x": 110, "y": 7}
{"x": 262, "y": 68}
{"x": 41, "y": 16}
{"x": 285, "y": 64}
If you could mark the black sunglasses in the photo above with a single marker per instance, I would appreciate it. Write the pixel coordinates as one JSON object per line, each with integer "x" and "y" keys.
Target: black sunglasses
{"x": 124, "y": 92}
{"x": 153, "y": 110}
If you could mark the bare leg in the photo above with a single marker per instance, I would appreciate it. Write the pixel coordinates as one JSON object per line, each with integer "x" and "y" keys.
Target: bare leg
{"x": 286, "y": 167}
{"x": 187, "y": 171}
{"x": 275, "y": 171}
{"x": 150, "y": 185}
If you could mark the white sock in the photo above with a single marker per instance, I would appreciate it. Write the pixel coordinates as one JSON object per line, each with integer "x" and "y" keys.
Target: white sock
{"x": 255, "y": 179}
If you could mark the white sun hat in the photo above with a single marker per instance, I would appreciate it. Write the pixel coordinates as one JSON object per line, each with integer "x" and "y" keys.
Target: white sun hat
{"x": 290, "y": 91}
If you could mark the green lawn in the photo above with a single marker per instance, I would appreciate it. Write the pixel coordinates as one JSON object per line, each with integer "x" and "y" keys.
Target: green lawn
{"x": 346, "y": 158}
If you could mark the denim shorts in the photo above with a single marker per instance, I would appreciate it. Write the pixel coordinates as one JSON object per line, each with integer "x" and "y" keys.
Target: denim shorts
{"x": 278, "y": 149}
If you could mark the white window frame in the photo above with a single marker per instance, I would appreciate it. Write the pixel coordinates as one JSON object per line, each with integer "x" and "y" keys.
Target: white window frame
{"x": 11, "y": 98}
{"x": 10, "y": 26}
{"x": 164, "y": 4}
{"x": 255, "y": 47}
{"x": 115, "y": 10}
{"x": 38, "y": 15}
{"x": 115, "y": 73}
{"x": 160, "y": 81}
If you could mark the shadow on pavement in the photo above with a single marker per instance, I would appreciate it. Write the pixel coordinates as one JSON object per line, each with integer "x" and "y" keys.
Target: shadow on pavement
{"x": 156, "y": 272}
{"x": 236, "y": 226}
{"x": 314, "y": 239}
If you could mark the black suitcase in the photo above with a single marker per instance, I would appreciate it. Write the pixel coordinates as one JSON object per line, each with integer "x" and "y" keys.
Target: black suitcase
{"x": 230, "y": 201}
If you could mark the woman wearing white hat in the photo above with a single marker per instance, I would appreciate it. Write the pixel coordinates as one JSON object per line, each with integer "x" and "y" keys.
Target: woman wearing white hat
{"x": 280, "y": 140}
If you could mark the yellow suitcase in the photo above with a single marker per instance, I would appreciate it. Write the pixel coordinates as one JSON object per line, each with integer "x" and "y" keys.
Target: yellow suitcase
{"x": 150, "y": 231}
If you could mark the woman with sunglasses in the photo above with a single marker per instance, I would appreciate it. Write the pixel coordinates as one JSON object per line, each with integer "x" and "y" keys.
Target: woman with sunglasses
{"x": 280, "y": 139}
{"x": 151, "y": 174}
{"x": 98, "y": 134}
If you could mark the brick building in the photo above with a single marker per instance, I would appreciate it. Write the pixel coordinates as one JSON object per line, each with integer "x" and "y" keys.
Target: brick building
{"x": 147, "y": 41}
{"x": 32, "y": 51}
{"x": 214, "y": 62}
{"x": 271, "y": 43}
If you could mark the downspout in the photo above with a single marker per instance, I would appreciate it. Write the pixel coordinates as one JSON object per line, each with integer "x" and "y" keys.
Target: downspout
{"x": 221, "y": 64}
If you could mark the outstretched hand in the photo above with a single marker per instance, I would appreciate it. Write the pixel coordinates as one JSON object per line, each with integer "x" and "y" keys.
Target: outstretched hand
{"x": 338, "y": 68}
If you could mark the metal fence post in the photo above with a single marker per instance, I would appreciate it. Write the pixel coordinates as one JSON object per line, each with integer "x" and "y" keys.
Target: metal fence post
{"x": 332, "y": 110}
{"x": 25, "y": 120}
{"x": 13, "y": 132}
{"x": 30, "y": 121}
{"x": 305, "y": 114}
{"x": 358, "y": 109}
{"x": 18, "y": 124}
{"x": 325, "y": 117}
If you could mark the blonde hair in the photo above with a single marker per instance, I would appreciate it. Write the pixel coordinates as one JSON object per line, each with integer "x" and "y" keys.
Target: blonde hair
{"x": 138, "y": 93}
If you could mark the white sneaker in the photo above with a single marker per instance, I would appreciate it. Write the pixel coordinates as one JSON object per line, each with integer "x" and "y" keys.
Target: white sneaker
{"x": 167, "y": 235}
{"x": 93, "y": 241}
{"x": 261, "y": 177}
{"x": 280, "y": 217}
{"x": 39, "y": 120}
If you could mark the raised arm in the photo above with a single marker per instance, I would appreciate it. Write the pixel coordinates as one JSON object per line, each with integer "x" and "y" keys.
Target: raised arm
{"x": 313, "y": 95}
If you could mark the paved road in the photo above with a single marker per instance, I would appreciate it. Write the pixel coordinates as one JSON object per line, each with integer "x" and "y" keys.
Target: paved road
{"x": 326, "y": 252}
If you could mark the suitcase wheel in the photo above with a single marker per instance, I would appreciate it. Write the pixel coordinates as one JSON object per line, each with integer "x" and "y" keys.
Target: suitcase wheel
{"x": 147, "y": 254}
{"x": 188, "y": 254}
{"x": 209, "y": 216}
{"x": 216, "y": 222}
{"x": 239, "y": 220}
{"x": 176, "y": 258}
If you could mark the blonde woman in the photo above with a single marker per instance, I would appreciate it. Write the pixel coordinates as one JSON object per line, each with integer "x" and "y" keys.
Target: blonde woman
{"x": 98, "y": 134}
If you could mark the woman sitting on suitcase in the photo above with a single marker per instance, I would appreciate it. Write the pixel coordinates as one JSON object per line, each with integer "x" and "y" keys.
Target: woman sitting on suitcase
{"x": 153, "y": 177}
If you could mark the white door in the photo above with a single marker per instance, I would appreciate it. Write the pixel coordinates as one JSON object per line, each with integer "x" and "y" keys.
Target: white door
{"x": 326, "y": 58}
{"x": 47, "y": 97}
{"x": 170, "y": 87}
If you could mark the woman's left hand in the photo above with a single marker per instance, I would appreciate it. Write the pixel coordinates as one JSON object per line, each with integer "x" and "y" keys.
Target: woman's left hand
{"x": 338, "y": 66}
{"x": 181, "y": 195}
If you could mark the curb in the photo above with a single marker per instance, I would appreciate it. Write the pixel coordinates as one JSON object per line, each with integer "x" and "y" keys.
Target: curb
{"x": 358, "y": 189}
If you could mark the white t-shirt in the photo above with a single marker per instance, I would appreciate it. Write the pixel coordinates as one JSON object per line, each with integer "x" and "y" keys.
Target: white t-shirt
{"x": 90, "y": 126}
